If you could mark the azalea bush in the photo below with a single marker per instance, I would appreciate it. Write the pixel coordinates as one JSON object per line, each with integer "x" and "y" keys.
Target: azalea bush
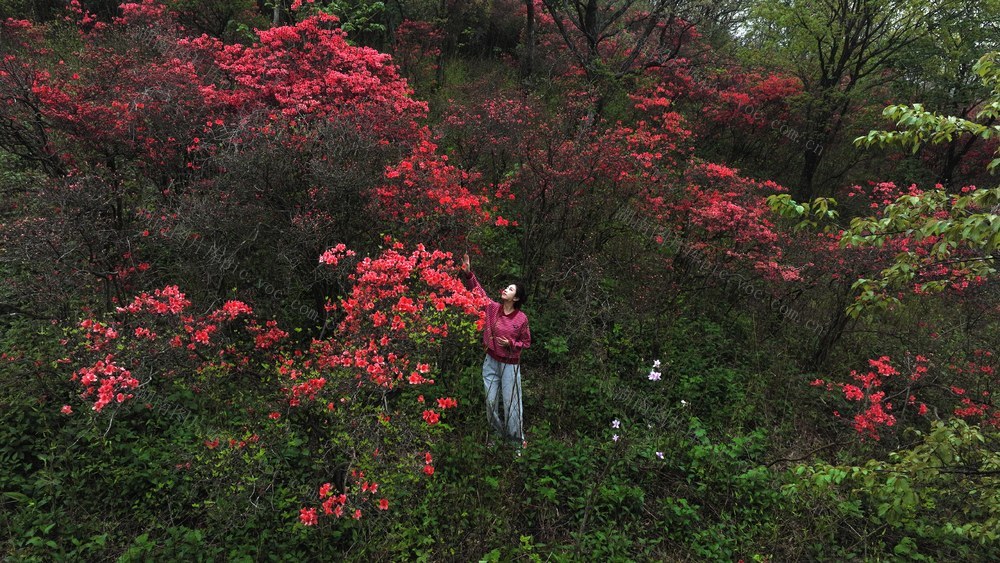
{"x": 232, "y": 325}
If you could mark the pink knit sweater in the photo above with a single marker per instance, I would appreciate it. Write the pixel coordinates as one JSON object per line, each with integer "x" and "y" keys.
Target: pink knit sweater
{"x": 513, "y": 327}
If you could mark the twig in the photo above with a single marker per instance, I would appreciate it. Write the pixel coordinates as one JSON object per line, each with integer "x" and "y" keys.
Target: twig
{"x": 807, "y": 456}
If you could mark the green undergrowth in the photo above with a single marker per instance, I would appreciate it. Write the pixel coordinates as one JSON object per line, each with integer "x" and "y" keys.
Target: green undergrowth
{"x": 617, "y": 467}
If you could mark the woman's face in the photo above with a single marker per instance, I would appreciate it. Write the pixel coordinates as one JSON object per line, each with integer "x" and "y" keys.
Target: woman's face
{"x": 508, "y": 293}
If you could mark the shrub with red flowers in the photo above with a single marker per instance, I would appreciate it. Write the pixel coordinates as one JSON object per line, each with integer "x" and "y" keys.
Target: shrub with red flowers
{"x": 311, "y": 70}
{"x": 725, "y": 217}
{"x": 435, "y": 201}
{"x": 359, "y": 383}
{"x": 876, "y": 389}
{"x": 156, "y": 150}
{"x": 883, "y": 393}
{"x": 561, "y": 176}
{"x": 369, "y": 377}
{"x": 164, "y": 143}
{"x": 417, "y": 49}
{"x": 155, "y": 335}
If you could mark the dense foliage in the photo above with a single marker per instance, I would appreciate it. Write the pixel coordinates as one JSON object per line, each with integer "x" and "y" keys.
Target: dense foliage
{"x": 760, "y": 239}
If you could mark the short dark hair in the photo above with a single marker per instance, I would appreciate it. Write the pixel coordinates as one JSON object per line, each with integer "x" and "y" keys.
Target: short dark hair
{"x": 520, "y": 293}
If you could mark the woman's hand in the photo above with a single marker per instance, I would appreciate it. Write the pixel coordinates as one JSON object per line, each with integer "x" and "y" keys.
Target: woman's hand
{"x": 465, "y": 262}
{"x": 504, "y": 341}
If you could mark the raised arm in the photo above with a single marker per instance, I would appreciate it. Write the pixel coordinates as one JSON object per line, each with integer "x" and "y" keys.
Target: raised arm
{"x": 470, "y": 281}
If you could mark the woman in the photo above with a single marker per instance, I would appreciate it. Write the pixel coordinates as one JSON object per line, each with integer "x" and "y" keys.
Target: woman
{"x": 504, "y": 336}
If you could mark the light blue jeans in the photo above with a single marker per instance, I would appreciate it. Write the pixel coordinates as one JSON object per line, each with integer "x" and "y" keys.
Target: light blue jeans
{"x": 504, "y": 379}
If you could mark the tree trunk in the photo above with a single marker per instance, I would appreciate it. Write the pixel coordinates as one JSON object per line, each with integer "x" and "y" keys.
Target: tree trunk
{"x": 830, "y": 336}
{"x": 810, "y": 163}
{"x": 952, "y": 159}
{"x": 528, "y": 57}
{"x": 822, "y": 123}
{"x": 592, "y": 33}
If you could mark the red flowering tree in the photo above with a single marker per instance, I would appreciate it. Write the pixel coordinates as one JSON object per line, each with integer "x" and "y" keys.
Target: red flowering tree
{"x": 156, "y": 336}
{"x": 928, "y": 240}
{"x": 365, "y": 395}
{"x": 746, "y": 118}
{"x": 885, "y": 394}
{"x": 877, "y": 390}
{"x": 417, "y": 49}
{"x": 618, "y": 38}
{"x": 372, "y": 382}
{"x": 558, "y": 173}
{"x": 168, "y": 145}
{"x": 725, "y": 218}
{"x": 159, "y": 152}
{"x": 931, "y": 248}
{"x": 430, "y": 199}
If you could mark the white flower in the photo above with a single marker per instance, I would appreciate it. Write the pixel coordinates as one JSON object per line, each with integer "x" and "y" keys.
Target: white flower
{"x": 615, "y": 437}
{"x": 615, "y": 423}
{"x": 656, "y": 364}
{"x": 659, "y": 455}
{"x": 654, "y": 375}
{"x": 684, "y": 403}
